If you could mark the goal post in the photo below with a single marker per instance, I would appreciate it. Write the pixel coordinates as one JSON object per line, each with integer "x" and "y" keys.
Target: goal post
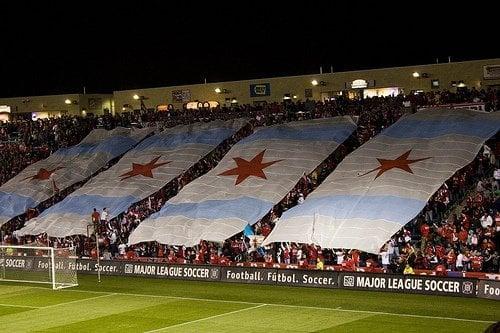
{"x": 35, "y": 264}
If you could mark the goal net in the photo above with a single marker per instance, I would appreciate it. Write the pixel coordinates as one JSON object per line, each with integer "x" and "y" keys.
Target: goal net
{"x": 38, "y": 265}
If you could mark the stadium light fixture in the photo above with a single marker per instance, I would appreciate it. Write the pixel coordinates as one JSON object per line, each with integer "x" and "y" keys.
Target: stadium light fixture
{"x": 136, "y": 97}
{"x": 67, "y": 101}
{"x": 218, "y": 90}
{"x": 416, "y": 74}
{"x": 314, "y": 82}
{"x": 461, "y": 84}
{"x": 294, "y": 96}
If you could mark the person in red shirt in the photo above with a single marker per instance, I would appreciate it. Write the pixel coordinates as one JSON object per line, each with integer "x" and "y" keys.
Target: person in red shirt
{"x": 451, "y": 259}
{"x": 96, "y": 217}
{"x": 440, "y": 270}
{"x": 462, "y": 235}
{"x": 198, "y": 258}
{"x": 355, "y": 257}
{"x": 93, "y": 253}
{"x": 266, "y": 230}
{"x": 160, "y": 251}
{"x": 286, "y": 255}
{"x": 214, "y": 258}
{"x": 348, "y": 265}
{"x": 293, "y": 257}
{"x": 268, "y": 259}
{"x": 224, "y": 261}
{"x": 370, "y": 265}
{"x": 465, "y": 221}
{"x": 303, "y": 263}
{"x": 313, "y": 255}
{"x": 424, "y": 230}
{"x": 181, "y": 260}
{"x": 477, "y": 263}
{"x": 440, "y": 251}
{"x": 131, "y": 255}
{"x": 172, "y": 257}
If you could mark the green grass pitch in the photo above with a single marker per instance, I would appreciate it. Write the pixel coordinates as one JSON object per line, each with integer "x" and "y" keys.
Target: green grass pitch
{"x": 130, "y": 304}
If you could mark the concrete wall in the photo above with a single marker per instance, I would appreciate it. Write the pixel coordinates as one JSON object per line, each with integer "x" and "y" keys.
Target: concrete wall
{"x": 470, "y": 72}
{"x": 55, "y": 105}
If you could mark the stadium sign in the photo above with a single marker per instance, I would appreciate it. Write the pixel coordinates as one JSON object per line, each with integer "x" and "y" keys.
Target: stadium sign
{"x": 4, "y": 109}
{"x": 286, "y": 277}
{"x": 247, "y": 275}
{"x": 491, "y": 72}
{"x": 418, "y": 284}
{"x": 488, "y": 289}
{"x": 359, "y": 84}
{"x": 261, "y": 89}
{"x": 154, "y": 270}
{"x": 415, "y": 284}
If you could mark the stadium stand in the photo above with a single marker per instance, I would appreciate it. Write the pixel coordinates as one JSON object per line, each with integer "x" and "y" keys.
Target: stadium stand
{"x": 458, "y": 230}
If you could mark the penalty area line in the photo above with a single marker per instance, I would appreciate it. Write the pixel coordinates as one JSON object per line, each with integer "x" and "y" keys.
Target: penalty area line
{"x": 21, "y": 306}
{"x": 207, "y": 318}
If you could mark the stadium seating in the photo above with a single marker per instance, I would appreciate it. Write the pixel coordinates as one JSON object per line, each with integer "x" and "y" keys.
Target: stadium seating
{"x": 450, "y": 224}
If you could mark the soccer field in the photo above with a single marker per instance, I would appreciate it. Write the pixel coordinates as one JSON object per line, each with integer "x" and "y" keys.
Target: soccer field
{"x": 130, "y": 304}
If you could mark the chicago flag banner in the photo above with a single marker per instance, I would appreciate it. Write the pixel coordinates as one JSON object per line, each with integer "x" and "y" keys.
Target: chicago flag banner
{"x": 141, "y": 172}
{"x": 385, "y": 183}
{"x": 65, "y": 167}
{"x": 254, "y": 175}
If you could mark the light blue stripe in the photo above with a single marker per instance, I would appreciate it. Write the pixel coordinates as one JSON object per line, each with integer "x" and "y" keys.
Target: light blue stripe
{"x": 209, "y": 137}
{"x": 114, "y": 146}
{"x": 84, "y": 205}
{"x": 245, "y": 208}
{"x": 338, "y": 133}
{"x": 478, "y": 126}
{"x": 391, "y": 208}
{"x": 12, "y": 204}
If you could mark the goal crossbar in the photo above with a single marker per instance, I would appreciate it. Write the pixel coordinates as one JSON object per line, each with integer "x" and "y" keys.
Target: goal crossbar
{"x": 37, "y": 264}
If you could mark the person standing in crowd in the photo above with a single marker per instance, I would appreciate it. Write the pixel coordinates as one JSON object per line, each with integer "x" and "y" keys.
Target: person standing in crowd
{"x": 320, "y": 265}
{"x": 96, "y": 217}
{"x": 104, "y": 217}
{"x": 460, "y": 262}
{"x": 486, "y": 220}
{"x": 384, "y": 256}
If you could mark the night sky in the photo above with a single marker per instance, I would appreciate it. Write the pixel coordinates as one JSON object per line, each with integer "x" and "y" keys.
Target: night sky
{"x": 52, "y": 48}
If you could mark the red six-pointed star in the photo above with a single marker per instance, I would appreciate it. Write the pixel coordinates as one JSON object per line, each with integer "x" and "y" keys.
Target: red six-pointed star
{"x": 43, "y": 174}
{"x": 245, "y": 169}
{"x": 143, "y": 169}
{"x": 402, "y": 162}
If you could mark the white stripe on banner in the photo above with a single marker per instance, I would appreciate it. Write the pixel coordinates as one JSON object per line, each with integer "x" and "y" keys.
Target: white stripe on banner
{"x": 141, "y": 172}
{"x": 254, "y": 176}
{"x": 385, "y": 183}
{"x": 64, "y": 168}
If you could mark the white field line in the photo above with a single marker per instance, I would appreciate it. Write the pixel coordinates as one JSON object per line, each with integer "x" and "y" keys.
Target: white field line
{"x": 79, "y": 300}
{"x": 21, "y": 306}
{"x": 206, "y": 318}
{"x": 279, "y": 305}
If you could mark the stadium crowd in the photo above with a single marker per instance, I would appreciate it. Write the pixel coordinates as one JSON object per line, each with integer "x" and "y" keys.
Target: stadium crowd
{"x": 458, "y": 230}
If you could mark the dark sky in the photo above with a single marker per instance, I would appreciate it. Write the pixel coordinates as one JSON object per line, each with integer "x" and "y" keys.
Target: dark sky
{"x": 51, "y": 48}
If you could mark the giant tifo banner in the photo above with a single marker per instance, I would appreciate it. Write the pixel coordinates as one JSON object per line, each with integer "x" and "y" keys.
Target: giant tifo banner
{"x": 141, "y": 172}
{"x": 253, "y": 176}
{"x": 67, "y": 166}
{"x": 385, "y": 183}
